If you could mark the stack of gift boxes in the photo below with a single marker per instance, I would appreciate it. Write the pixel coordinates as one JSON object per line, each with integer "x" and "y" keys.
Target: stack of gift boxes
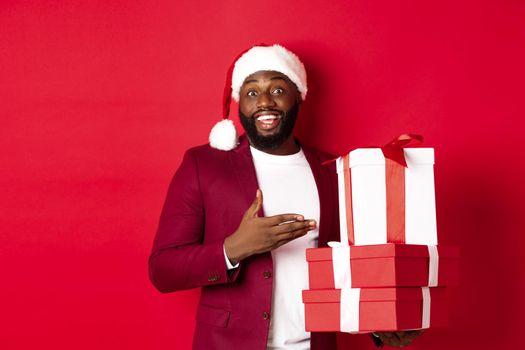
{"x": 387, "y": 273}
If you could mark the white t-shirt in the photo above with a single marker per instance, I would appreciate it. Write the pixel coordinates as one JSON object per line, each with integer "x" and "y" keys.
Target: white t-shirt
{"x": 288, "y": 186}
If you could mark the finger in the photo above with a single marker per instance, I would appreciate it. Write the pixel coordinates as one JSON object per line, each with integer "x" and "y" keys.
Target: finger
{"x": 406, "y": 337}
{"x": 411, "y": 335}
{"x": 293, "y": 234}
{"x": 405, "y": 341}
{"x": 403, "y": 334}
{"x": 393, "y": 341}
{"x": 282, "y": 219}
{"x": 399, "y": 339}
{"x": 256, "y": 205}
{"x": 393, "y": 337}
{"x": 286, "y": 239}
{"x": 385, "y": 334}
{"x": 294, "y": 226}
{"x": 416, "y": 333}
{"x": 389, "y": 338}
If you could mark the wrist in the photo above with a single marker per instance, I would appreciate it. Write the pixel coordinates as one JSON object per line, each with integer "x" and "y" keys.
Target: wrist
{"x": 229, "y": 265}
{"x": 232, "y": 250}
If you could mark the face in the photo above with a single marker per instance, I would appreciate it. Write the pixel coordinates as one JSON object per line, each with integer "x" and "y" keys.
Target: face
{"x": 268, "y": 106}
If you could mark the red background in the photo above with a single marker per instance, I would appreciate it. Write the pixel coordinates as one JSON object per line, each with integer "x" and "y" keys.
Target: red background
{"x": 99, "y": 100}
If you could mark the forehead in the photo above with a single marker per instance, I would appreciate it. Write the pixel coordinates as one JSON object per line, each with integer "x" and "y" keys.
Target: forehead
{"x": 266, "y": 76}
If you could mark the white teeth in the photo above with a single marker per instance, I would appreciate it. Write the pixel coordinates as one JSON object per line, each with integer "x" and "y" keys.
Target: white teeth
{"x": 267, "y": 117}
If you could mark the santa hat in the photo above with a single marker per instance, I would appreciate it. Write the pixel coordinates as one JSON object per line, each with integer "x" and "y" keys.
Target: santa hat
{"x": 223, "y": 135}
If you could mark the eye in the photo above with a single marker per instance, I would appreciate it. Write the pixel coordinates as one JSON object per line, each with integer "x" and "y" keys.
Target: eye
{"x": 251, "y": 93}
{"x": 277, "y": 91}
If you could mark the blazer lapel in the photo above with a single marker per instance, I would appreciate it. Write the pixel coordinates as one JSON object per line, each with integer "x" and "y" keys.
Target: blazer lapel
{"x": 327, "y": 226}
{"x": 244, "y": 170}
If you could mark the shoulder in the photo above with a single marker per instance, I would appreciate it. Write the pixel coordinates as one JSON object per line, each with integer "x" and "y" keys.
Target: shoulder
{"x": 202, "y": 150}
{"x": 206, "y": 159}
{"x": 205, "y": 153}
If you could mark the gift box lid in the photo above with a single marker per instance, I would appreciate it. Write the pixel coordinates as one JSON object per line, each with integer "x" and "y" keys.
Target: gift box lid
{"x": 374, "y": 156}
{"x": 372, "y": 294}
{"x": 384, "y": 251}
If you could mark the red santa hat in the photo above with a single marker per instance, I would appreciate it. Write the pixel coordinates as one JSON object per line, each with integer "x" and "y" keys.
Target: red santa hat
{"x": 223, "y": 135}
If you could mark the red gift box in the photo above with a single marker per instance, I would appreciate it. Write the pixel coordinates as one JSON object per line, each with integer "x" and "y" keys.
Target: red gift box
{"x": 377, "y": 309}
{"x": 386, "y": 195}
{"x": 384, "y": 265}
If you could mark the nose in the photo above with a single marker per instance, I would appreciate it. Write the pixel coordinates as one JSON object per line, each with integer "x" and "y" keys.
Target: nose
{"x": 265, "y": 100}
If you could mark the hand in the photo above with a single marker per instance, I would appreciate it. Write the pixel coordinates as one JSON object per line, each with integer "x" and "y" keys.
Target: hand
{"x": 398, "y": 339}
{"x": 257, "y": 235}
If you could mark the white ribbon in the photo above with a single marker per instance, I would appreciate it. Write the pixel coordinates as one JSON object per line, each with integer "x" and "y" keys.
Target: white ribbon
{"x": 349, "y": 310}
{"x": 341, "y": 250}
{"x": 341, "y": 264}
{"x": 342, "y": 200}
{"x": 425, "y": 319}
{"x": 433, "y": 265}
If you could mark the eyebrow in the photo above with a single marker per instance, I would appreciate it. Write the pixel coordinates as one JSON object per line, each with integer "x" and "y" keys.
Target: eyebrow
{"x": 272, "y": 78}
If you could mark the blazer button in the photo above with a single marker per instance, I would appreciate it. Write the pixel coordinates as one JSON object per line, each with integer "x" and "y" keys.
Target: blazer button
{"x": 265, "y": 315}
{"x": 213, "y": 278}
{"x": 267, "y": 274}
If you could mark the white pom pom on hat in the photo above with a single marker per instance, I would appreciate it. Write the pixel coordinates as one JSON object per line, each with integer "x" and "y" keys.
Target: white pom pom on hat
{"x": 223, "y": 135}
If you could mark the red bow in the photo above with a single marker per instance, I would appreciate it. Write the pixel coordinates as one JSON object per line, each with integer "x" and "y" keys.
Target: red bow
{"x": 394, "y": 149}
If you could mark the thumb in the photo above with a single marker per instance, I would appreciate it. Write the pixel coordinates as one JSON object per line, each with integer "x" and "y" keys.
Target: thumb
{"x": 256, "y": 204}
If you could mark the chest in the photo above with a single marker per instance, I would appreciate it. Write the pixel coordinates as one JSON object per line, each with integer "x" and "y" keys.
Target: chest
{"x": 288, "y": 188}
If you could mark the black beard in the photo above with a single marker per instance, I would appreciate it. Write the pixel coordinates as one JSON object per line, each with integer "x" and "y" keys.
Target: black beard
{"x": 274, "y": 141}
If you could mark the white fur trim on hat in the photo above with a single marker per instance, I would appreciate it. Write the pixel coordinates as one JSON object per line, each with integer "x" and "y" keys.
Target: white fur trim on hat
{"x": 272, "y": 58}
{"x": 223, "y": 135}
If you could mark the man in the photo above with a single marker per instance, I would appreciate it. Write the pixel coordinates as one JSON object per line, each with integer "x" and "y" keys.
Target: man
{"x": 247, "y": 253}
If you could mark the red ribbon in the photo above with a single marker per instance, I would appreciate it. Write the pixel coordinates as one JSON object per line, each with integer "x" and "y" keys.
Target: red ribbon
{"x": 348, "y": 199}
{"x": 395, "y": 164}
{"x": 394, "y": 149}
{"x": 395, "y": 201}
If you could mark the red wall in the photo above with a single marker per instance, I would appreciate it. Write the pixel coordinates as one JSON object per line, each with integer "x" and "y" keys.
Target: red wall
{"x": 98, "y": 101}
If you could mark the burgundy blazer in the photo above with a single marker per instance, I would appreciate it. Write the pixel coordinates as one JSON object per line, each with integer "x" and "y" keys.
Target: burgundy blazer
{"x": 206, "y": 200}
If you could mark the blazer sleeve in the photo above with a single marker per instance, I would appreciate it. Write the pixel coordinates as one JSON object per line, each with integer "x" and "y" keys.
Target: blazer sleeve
{"x": 180, "y": 259}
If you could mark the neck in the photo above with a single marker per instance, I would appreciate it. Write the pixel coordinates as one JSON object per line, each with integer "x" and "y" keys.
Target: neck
{"x": 288, "y": 147}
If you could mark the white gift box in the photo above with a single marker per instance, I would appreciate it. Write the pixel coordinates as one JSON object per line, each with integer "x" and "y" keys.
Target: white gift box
{"x": 370, "y": 181}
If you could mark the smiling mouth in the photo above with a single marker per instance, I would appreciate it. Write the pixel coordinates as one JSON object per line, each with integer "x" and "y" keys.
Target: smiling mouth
{"x": 268, "y": 122}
